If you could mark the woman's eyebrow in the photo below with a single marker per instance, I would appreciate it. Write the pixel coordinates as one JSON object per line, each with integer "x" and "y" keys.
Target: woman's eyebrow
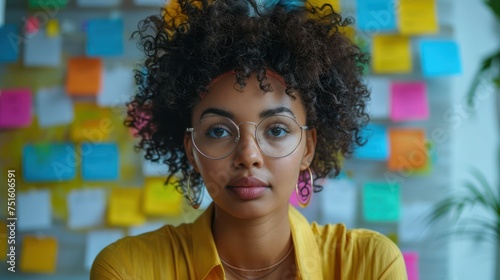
{"x": 217, "y": 112}
{"x": 276, "y": 111}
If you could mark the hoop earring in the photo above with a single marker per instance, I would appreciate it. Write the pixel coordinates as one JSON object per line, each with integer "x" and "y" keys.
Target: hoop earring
{"x": 195, "y": 203}
{"x": 304, "y": 188}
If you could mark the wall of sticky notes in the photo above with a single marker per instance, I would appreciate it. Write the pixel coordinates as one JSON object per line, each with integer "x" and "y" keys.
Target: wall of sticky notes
{"x": 66, "y": 71}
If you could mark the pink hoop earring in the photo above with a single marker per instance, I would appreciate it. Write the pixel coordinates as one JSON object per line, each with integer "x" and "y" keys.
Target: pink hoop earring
{"x": 304, "y": 188}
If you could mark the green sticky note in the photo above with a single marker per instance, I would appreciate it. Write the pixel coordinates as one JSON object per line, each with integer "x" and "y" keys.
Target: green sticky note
{"x": 47, "y": 4}
{"x": 381, "y": 202}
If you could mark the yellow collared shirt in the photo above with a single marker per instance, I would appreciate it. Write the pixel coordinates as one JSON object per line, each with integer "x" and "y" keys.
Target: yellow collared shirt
{"x": 188, "y": 252}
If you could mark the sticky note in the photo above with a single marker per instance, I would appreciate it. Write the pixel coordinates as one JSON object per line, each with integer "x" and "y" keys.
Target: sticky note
{"x": 53, "y": 107}
{"x": 50, "y": 4}
{"x": 41, "y": 50}
{"x": 92, "y": 123}
{"x": 376, "y": 15}
{"x": 440, "y": 58}
{"x": 105, "y": 37}
{"x": 52, "y": 29}
{"x": 391, "y": 54}
{"x": 150, "y": 226}
{"x": 15, "y": 108}
{"x": 315, "y": 3}
{"x": 409, "y": 101}
{"x": 84, "y": 76}
{"x": 154, "y": 169}
{"x": 86, "y": 208}
{"x": 2, "y": 14}
{"x": 124, "y": 207}
{"x": 413, "y": 226}
{"x": 4, "y": 248}
{"x": 378, "y": 105}
{"x": 38, "y": 254}
{"x": 411, "y": 261}
{"x": 338, "y": 201}
{"x": 34, "y": 210}
{"x": 99, "y": 161}
{"x": 96, "y": 241}
{"x": 417, "y": 17}
{"x": 408, "y": 151}
{"x": 161, "y": 199}
{"x": 381, "y": 202}
{"x": 98, "y": 3}
{"x": 53, "y": 162}
{"x": 118, "y": 87}
{"x": 377, "y": 143}
{"x": 32, "y": 25}
{"x": 9, "y": 43}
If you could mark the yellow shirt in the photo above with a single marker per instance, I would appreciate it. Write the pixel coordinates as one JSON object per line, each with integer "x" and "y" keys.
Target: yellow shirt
{"x": 188, "y": 252}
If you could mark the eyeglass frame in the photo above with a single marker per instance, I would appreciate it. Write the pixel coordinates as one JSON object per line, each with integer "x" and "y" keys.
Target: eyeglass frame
{"x": 237, "y": 140}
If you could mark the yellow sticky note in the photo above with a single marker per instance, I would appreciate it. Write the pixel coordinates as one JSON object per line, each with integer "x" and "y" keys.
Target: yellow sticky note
{"x": 417, "y": 17}
{"x": 52, "y": 28}
{"x": 125, "y": 207}
{"x": 391, "y": 54}
{"x": 38, "y": 254}
{"x": 160, "y": 199}
{"x": 408, "y": 151}
{"x": 318, "y": 4}
{"x": 349, "y": 32}
{"x": 3, "y": 241}
{"x": 92, "y": 123}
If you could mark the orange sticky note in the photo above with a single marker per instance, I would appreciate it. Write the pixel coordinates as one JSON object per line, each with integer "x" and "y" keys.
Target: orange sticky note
{"x": 391, "y": 54}
{"x": 408, "y": 151}
{"x": 38, "y": 254}
{"x": 160, "y": 199}
{"x": 84, "y": 76}
{"x": 124, "y": 207}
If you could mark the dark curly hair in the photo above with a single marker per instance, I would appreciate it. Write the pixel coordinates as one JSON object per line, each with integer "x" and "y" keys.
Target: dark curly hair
{"x": 193, "y": 41}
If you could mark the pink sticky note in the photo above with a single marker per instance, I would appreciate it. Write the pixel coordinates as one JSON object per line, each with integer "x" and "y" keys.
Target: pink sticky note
{"x": 411, "y": 261}
{"x": 409, "y": 101}
{"x": 15, "y": 108}
{"x": 32, "y": 25}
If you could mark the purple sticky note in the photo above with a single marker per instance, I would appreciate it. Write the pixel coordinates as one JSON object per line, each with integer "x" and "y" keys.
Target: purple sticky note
{"x": 15, "y": 108}
{"x": 411, "y": 261}
{"x": 409, "y": 101}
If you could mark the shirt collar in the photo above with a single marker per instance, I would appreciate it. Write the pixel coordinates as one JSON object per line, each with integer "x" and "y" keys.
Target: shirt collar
{"x": 307, "y": 254}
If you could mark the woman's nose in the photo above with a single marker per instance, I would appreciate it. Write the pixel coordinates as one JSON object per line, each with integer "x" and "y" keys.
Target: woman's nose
{"x": 248, "y": 153}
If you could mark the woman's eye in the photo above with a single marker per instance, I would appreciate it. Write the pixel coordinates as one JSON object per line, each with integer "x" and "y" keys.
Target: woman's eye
{"x": 218, "y": 132}
{"x": 277, "y": 131}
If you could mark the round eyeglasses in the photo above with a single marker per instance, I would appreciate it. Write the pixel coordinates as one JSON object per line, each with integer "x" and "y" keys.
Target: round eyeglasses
{"x": 216, "y": 137}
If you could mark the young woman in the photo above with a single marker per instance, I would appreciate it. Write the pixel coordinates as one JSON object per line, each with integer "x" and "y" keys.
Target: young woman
{"x": 252, "y": 101}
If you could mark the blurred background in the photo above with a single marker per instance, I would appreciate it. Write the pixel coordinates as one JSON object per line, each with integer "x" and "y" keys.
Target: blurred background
{"x": 427, "y": 178}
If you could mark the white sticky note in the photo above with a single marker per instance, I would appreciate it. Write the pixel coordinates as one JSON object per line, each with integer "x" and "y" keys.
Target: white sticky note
{"x": 98, "y": 3}
{"x": 97, "y": 240}
{"x": 34, "y": 210}
{"x": 378, "y": 106}
{"x": 2, "y": 12}
{"x": 42, "y": 50}
{"x": 413, "y": 227}
{"x": 338, "y": 201}
{"x": 150, "y": 226}
{"x": 154, "y": 169}
{"x": 118, "y": 87}
{"x": 53, "y": 107}
{"x": 86, "y": 208}
{"x": 151, "y": 3}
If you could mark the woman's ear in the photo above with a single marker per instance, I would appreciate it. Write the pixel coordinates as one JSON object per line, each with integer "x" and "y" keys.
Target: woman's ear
{"x": 310, "y": 149}
{"x": 188, "y": 148}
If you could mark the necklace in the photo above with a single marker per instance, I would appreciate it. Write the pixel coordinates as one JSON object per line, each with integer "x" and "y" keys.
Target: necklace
{"x": 259, "y": 269}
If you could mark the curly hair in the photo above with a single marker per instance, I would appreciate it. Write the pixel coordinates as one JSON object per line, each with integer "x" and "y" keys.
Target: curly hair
{"x": 193, "y": 41}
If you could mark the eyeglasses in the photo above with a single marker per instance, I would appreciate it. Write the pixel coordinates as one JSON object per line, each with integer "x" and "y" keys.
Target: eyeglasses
{"x": 216, "y": 137}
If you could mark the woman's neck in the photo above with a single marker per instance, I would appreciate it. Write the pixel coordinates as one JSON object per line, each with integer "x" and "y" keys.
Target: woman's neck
{"x": 252, "y": 244}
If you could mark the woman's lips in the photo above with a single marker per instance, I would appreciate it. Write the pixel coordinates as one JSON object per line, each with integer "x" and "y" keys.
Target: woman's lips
{"x": 247, "y": 188}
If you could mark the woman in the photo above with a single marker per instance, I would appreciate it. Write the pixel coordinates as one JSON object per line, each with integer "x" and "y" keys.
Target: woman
{"x": 252, "y": 101}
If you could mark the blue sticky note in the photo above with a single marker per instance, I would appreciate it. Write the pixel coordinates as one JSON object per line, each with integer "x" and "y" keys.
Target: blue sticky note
{"x": 104, "y": 37}
{"x": 376, "y": 15}
{"x": 440, "y": 58}
{"x": 377, "y": 143}
{"x": 381, "y": 202}
{"x": 49, "y": 162}
{"x": 9, "y": 43}
{"x": 99, "y": 161}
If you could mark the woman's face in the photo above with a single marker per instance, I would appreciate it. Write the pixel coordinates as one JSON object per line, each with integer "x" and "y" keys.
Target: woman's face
{"x": 248, "y": 183}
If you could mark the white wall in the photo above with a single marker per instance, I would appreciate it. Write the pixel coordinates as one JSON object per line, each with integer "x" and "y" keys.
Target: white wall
{"x": 475, "y": 137}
